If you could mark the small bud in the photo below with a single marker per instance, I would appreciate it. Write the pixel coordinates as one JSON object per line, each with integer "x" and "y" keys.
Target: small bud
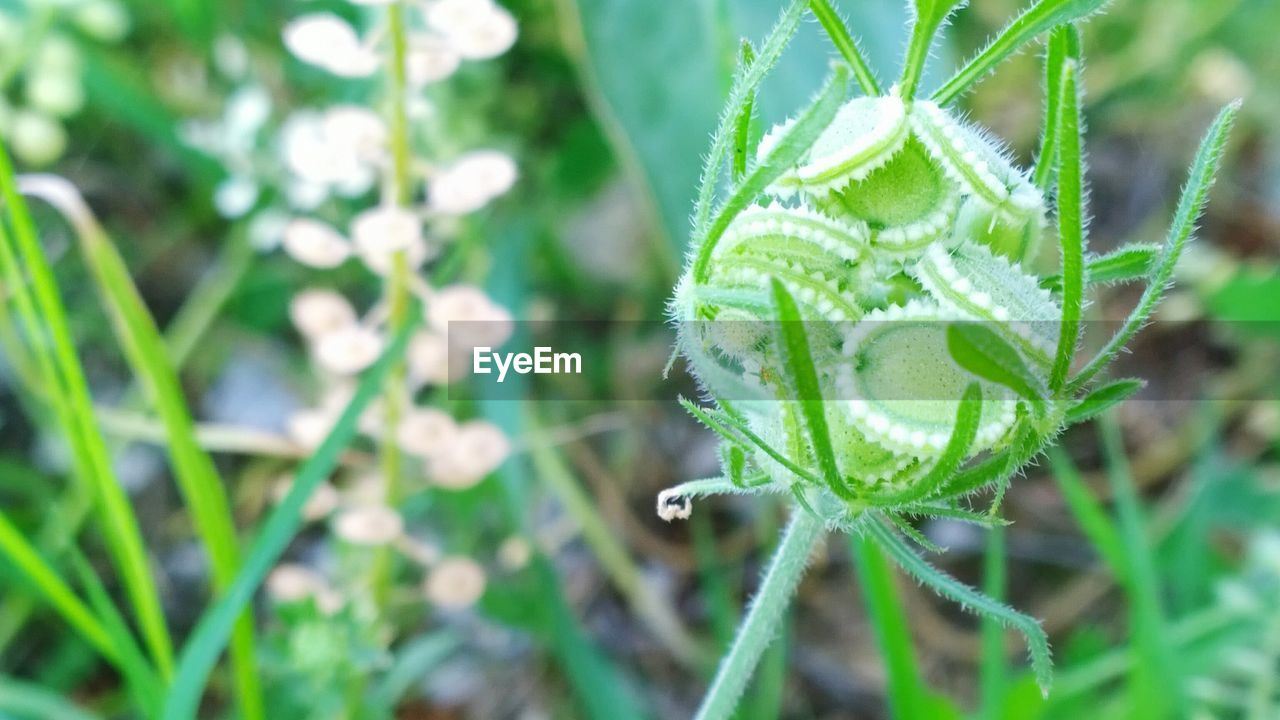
{"x": 471, "y": 182}
{"x": 478, "y": 29}
{"x": 673, "y": 506}
{"x": 478, "y": 448}
{"x": 455, "y": 583}
{"x": 315, "y": 244}
{"x": 318, "y": 312}
{"x": 347, "y": 350}
{"x": 427, "y": 432}
{"x": 379, "y": 233}
{"x": 369, "y": 525}
{"x": 327, "y": 41}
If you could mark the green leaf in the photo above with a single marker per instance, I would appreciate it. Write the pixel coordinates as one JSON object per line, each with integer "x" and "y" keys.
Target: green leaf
{"x": 1130, "y": 262}
{"x": 216, "y": 625}
{"x": 927, "y": 17}
{"x": 198, "y": 479}
{"x": 1190, "y": 204}
{"x": 68, "y": 390}
{"x": 1249, "y": 301}
{"x": 969, "y": 599}
{"x": 28, "y": 700}
{"x": 1064, "y": 43}
{"x": 1089, "y": 514}
{"x": 803, "y": 377}
{"x": 980, "y": 350}
{"x": 789, "y": 149}
{"x": 744, "y": 437}
{"x": 838, "y": 31}
{"x": 1071, "y": 236}
{"x": 1034, "y": 20}
{"x": 905, "y": 686}
{"x": 968, "y": 417}
{"x": 742, "y": 126}
{"x": 1102, "y": 399}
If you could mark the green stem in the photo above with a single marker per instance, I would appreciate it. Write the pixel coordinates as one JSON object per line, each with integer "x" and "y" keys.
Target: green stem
{"x": 889, "y": 623}
{"x": 761, "y": 623}
{"x": 994, "y": 579}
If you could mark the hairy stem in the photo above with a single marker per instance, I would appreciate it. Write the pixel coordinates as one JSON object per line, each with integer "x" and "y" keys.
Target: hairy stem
{"x": 761, "y": 623}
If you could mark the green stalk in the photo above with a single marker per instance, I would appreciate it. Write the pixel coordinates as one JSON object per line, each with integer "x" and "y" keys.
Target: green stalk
{"x": 994, "y": 578}
{"x": 760, "y": 626}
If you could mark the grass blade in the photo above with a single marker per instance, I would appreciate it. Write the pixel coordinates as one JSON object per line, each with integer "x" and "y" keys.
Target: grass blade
{"x": 198, "y": 479}
{"x": 1070, "y": 223}
{"x": 906, "y": 688}
{"x": 1089, "y": 514}
{"x": 74, "y": 405}
{"x": 1034, "y": 20}
{"x": 1192, "y": 202}
{"x": 803, "y": 375}
{"x": 843, "y": 40}
{"x": 28, "y": 700}
{"x": 215, "y": 627}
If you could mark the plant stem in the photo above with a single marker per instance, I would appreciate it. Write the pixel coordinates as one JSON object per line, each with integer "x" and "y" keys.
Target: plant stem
{"x": 761, "y": 623}
{"x": 905, "y": 688}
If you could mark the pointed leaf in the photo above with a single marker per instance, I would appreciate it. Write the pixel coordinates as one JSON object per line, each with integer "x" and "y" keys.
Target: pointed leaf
{"x": 1102, "y": 399}
{"x": 980, "y": 350}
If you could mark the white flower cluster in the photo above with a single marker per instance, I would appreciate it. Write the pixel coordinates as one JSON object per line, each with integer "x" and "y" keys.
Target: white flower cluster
{"x": 38, "y": 38}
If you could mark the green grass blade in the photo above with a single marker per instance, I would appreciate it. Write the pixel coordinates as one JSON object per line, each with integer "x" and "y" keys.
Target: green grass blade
{"x": 197, "y": 477}
{"x": 838, "y": 31}
{"x": 744, "y": 88}
{"x": 970, "y": 599}
{"x": 215, "y": 627}
{"x": 1102, "y": 399}
{"x": 803, "y": 375}
{"x": 1064, "y": 43}
{"x": 89, "y": 449}
{"x": 1070, "y": 223}
{"x": 1155, "y": 683}
{"x": 1194, "y": 196}
{"x": 791, "y": 146}
{"x": 413, "y": 662}
{"x": 46, "y": 580}
{"x": 906, "y": 688}
{"x": 993, "y": 671}
{"x": 1034, "y": 20}
{"x": 27, "y": 700}
{"x": 1089, "y": 514}
{"x": 927, "y": 17}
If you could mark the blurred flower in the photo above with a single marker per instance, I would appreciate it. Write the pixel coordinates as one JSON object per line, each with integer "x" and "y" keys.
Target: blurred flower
{"x": 323, "y": 500}
{"x": 310, "y": 426}
{"x": 471, "y": 182}
{"x": 427, "y": 358}
{"x": 514, "y": 553}
{"x": 427, "y": 432}
{"x": 454, "y": 583}
{"x": 381, "y": 232}
{"x": 430, "y": 60}
{"x": 1220, "y": 76}
{"x": 478, "y": 448}
{"x": 369, "y": 525}
{"x": 235, "y": 196}
{"x": 103, "y": 19}
{"x": 317, "y": 312}
{"x": 487, "y": 323}
{"x": 291, "y": 583}
{"x": 35, "y": 138}
{"x": 347, "y": 350}
{"x": 55, "y": 92}
{"x": 478, "y": 29}
{"x": 333, "y": 161}
{"x": 327, "y": 41}
{"x": 315, "y": 244}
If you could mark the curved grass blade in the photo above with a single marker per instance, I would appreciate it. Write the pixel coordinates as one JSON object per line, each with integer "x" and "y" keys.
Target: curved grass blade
{"x": 928, "y": 16}
{"x": 1192, "y": 202}
{"x": 197, "y": 477}
{"x": 74, "y": 407}
{"x": 969, "y": 599}
{"x": 803, "y": 375}
{"x": 215, "y": 627}
{"x": 1034, "y": 20}
{"x": 1071, "y": 236}
{"x": 791, "y": 146}
{"x": 843, "y": 40}
{"x": 905, "y": 684}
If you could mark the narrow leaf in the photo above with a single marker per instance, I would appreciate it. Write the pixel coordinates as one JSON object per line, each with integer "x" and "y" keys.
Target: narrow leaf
{"x": 1034, "y": 20}
{"x": 742, "y": 126}
{"x": 743, "y": 436}
{"x": 927, "y": 17}
{"x": 1070, "y": 223}
{"x": 980, "y": 350}
{"x": 843, "y": 40}
{"x": 1064, "y": 43}
{"x": 1102, "y": 399}
{"x": 1130, "y": 262}
{"x": 803, "y": 376}
{"x": 968, "y": 417}
{"x": 1190, "y": 205}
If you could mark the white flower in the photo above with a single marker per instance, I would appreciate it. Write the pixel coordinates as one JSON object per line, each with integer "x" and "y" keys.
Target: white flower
{"x": 291, "y": 583}
{"x": 456, "y": 582}
{"x": 369, "y": 525}
{"x": 315, "y": 156}
{"x": 317, "y": 312}
{"x": 35, "y": 138}
{"x": 514, "y": 552}
{"x": 427, "y": 358}
{"x": 357, "y": 129}
{"x": 478, "y": 448}
{"x": 430, "y": 60}
{"x": 478, "y": 321}
{"x": 471, "y": 181}
{"x": 381, "y": 232}
{"x": 56, "y": 92}
{"x": 673, "y": 506}
{"x": 310, "y": 426}
{"x": 478, "y": 29}
{"x": 235, "y": 196}
{"x": 366, "y": 490}
{"x": 327, "y": 41}
{"x": 426, "y": 432}
{"x": 315, "y": 244}
{"x": 347, "y": 350}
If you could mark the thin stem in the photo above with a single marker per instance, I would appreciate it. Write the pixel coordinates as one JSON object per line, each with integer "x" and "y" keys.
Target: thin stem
{"x": 889, "y": 623}
{"x": 994, "y": 579}
{"x": 761, "y": 623}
